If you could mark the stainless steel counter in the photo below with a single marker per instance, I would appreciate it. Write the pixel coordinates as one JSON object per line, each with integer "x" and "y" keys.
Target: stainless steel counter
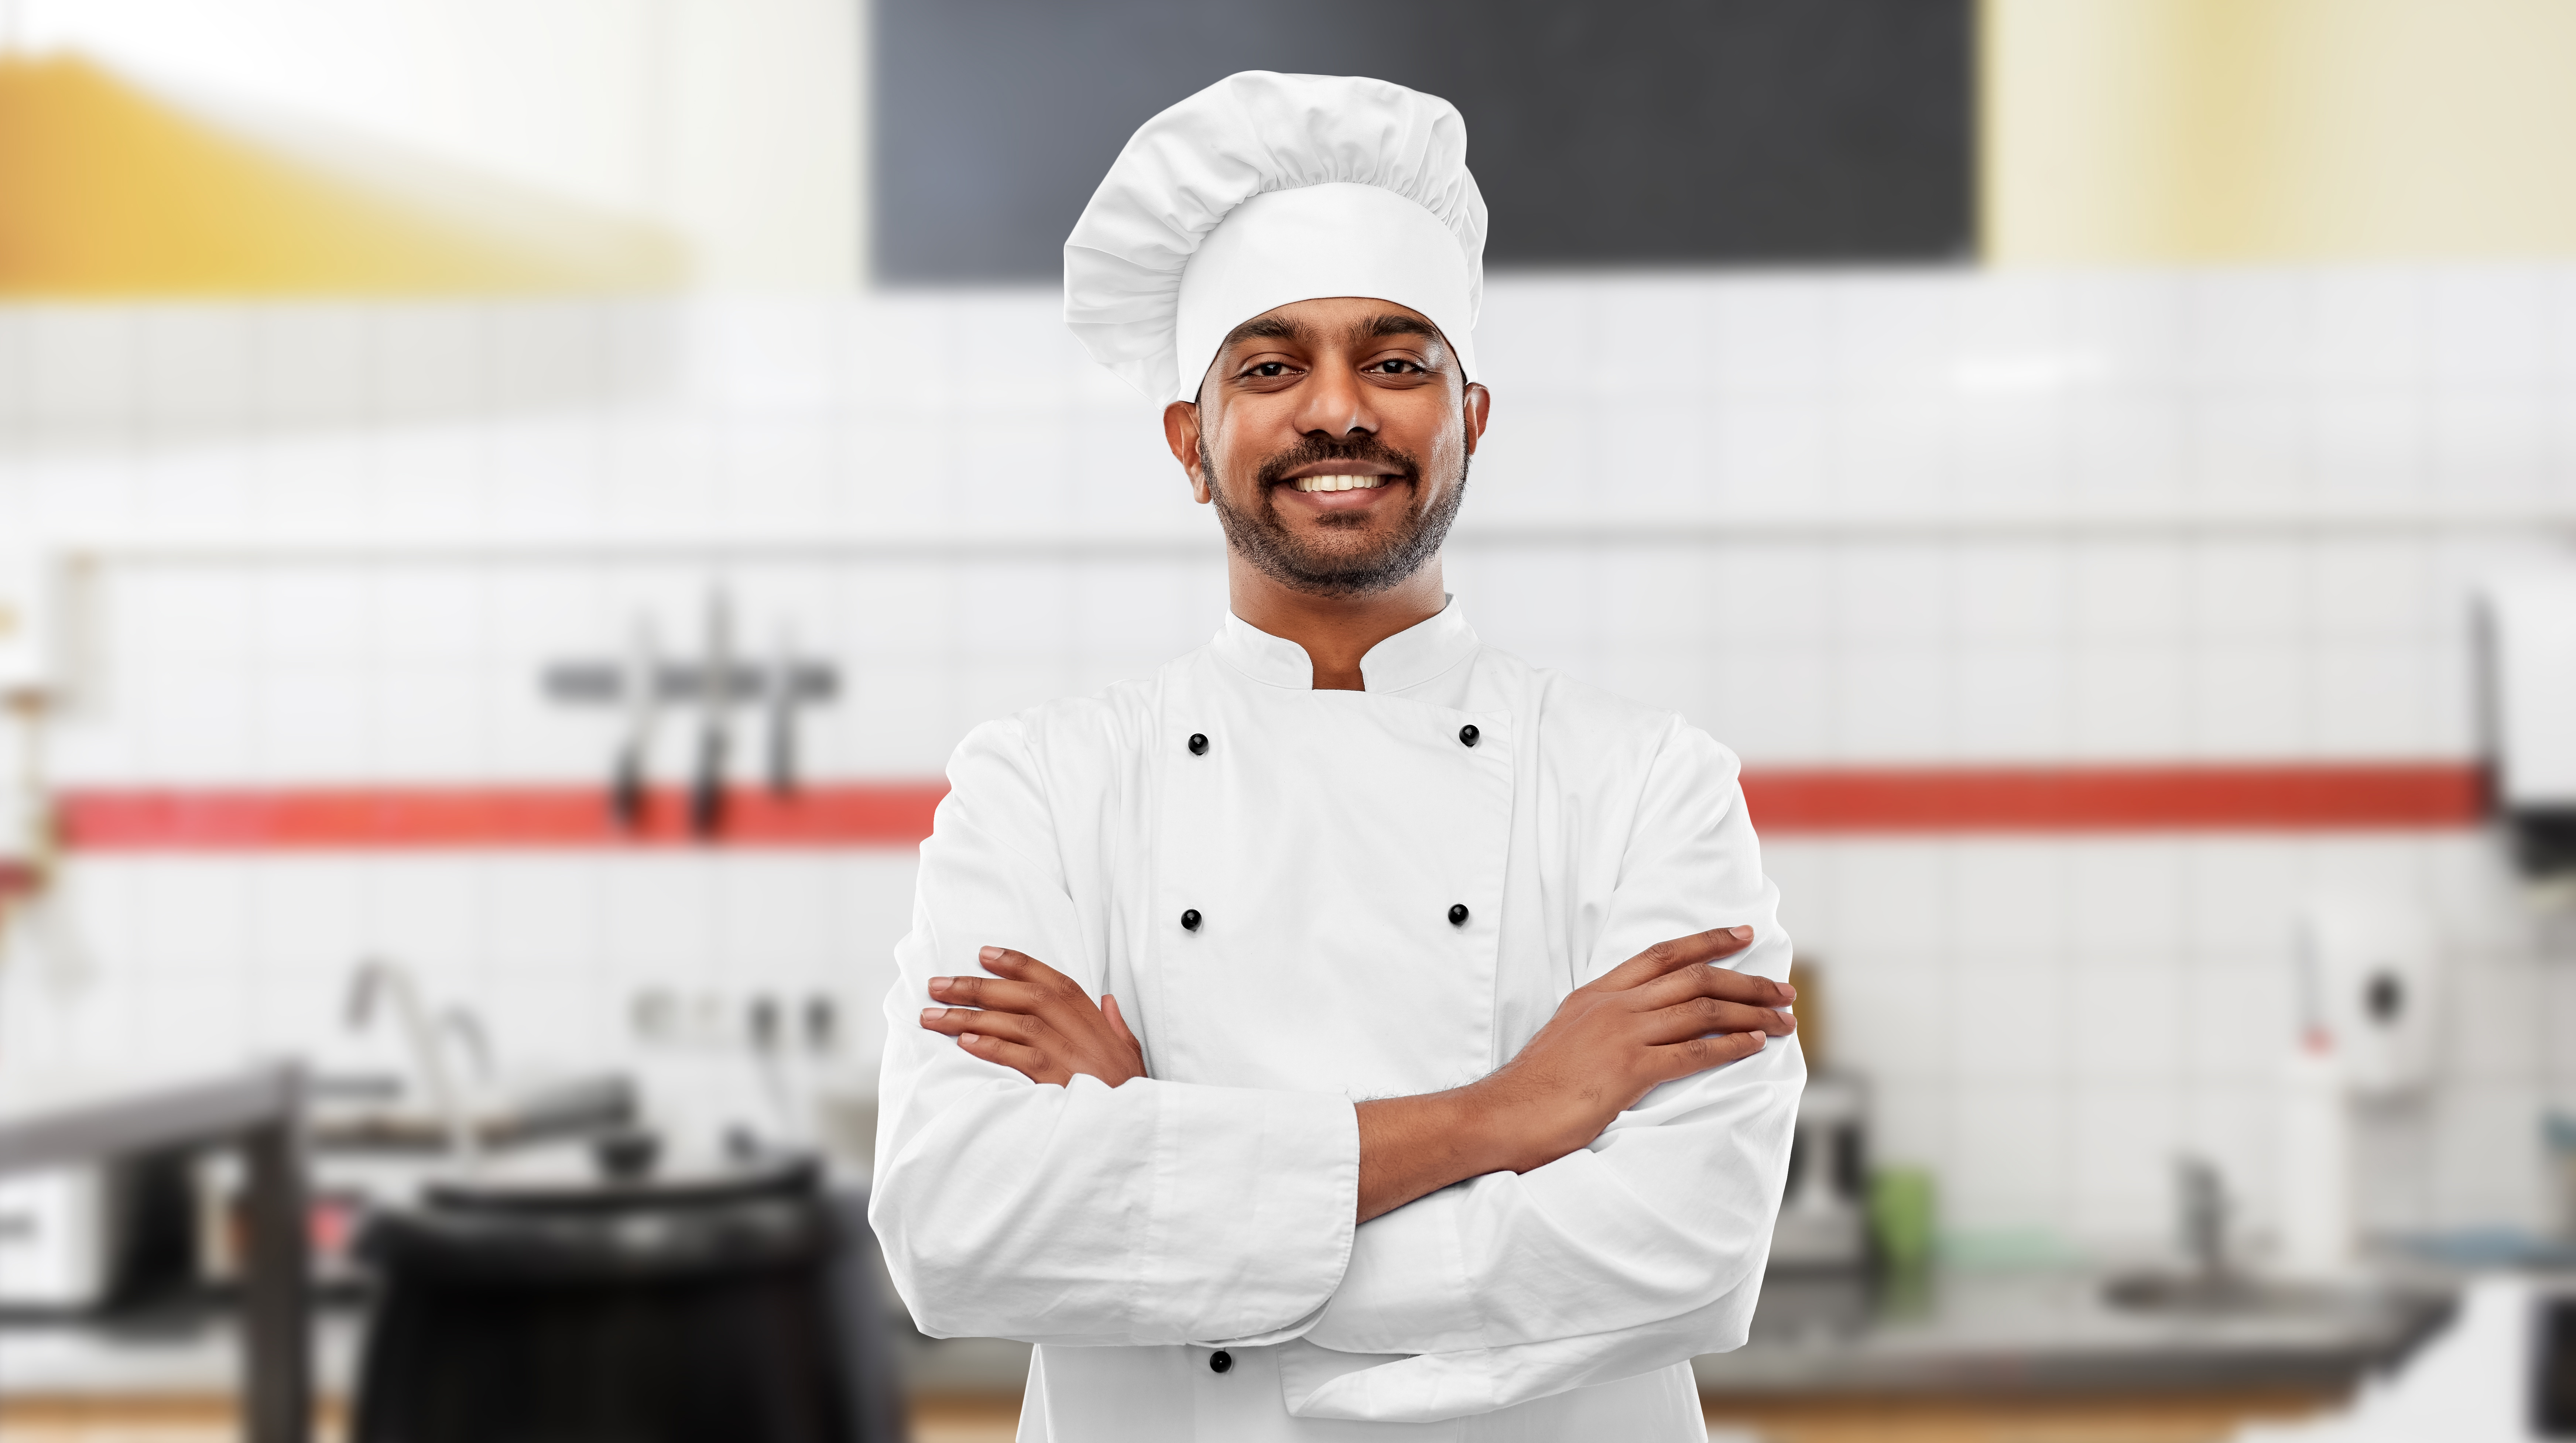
{"x": 2054, "y": 1331}
{"x": 1970, "y": 1333}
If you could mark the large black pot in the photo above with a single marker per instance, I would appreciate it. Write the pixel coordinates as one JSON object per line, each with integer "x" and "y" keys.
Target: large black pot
{"x": 696, "y": 1309}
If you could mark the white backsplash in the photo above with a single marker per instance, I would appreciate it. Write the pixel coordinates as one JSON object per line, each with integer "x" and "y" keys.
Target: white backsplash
{"x": 1839, "y": 519}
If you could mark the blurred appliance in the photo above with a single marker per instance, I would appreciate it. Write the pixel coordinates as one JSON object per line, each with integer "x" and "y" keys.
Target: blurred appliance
{"x": 2552, "y": 1350}
{"x": 2369, "y": 1031}
{"x": 2369, "y": 976}
{"x": 1824, "y": 1213}
{"x": 61, "y": 1235}
{"x": 79, "y": 1238}
{"x": 2529, "y": 652}
{"x": 695, "y": 1304}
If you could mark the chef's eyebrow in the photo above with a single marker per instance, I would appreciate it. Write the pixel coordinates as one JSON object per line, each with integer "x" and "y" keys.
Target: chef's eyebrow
{"x": 1395, "y": 323}
{"x": 1273, "y": 328}
{"x": 1378, "y": 328}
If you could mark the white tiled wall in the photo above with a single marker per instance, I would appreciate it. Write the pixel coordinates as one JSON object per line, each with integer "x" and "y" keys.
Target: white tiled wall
{"x": 1863, "y": 517}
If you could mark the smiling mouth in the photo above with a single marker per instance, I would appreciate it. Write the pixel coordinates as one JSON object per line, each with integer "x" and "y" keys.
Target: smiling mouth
{"x": 1340, "y": 483}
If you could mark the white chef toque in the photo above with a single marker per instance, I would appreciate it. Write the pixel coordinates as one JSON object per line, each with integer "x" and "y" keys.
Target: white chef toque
{"x": 1262, "y": 190}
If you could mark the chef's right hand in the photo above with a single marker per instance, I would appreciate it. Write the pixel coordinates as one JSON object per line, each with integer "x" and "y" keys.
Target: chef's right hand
{"x": 1660, "y": 1015}
{"x": 1034, "y": 1020}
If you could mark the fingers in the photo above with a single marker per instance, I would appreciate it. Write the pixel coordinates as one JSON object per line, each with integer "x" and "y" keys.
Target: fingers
{"x": 1005, "y": 996}
{"x": 1680, "y": 952}
{"x": 1002, "y": 1037}
{"x": 1709, "y": 1016}
{"x": 1035, "y": 1020}
{"x": 1021, "y": 967}
{"x": 1010, "y": 1026}
{"x": 1725, "y": 985}
{"x": 1699, "y": 1054}
{"x": 1020, "y": 983}
{"x": 1026, "y": 1061}
{"x": 1118, "y": 1023}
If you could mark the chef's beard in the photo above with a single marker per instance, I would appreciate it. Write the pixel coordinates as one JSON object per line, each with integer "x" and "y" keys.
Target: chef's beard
{"x": 1260, "y": 537}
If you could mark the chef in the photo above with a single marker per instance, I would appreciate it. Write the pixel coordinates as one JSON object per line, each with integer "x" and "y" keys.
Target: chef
{"x": 1316, "y": 1039}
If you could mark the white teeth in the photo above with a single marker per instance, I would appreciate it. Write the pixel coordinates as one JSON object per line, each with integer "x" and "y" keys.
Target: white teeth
{"x": 1340, "y": 483}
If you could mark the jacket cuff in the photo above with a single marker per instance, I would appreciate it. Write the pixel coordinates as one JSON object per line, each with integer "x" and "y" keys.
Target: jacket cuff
{"x": 1406, "y": 1289}
{"x": 1257, "y": 1191}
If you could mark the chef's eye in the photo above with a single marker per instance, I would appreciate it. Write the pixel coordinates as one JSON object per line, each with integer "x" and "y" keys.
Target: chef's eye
{"x": 1398, "y": 366}
{"x": 1268, "y": 370}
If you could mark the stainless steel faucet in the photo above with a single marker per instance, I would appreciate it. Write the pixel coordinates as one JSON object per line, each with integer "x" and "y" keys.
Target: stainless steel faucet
{"x": 2202, "y": 1208}
{"x": 376, "y": 977}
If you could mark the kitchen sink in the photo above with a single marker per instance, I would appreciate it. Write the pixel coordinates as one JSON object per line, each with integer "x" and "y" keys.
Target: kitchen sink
{"x": 377, "y": 1115}
{"x": 2381, "y": 1308}
{"x": 2232, "y": 1294}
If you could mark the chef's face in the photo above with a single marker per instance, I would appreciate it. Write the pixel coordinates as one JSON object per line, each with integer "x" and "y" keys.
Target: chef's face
{"x": 1332, "y": 436}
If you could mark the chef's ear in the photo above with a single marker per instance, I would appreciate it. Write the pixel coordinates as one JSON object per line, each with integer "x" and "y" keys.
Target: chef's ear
{"x": 1474, "y": 405}
{"x": 1181, "y": 433}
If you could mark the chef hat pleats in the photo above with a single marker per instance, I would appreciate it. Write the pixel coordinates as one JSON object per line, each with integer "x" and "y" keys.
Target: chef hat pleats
{"x": 1265, "y": 189}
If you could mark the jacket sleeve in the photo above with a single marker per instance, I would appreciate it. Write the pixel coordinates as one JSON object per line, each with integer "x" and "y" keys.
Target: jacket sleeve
{"x": 1639, "y": 1251}
{"x": 1155, "y": 1212}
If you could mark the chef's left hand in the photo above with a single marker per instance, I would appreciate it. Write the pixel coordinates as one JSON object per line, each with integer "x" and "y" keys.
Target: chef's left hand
{"x": 1034, "y": 1020}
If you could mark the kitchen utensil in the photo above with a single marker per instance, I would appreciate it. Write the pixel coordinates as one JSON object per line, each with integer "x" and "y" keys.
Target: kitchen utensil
{"x": 629, "y": 787}
{"x": 715, "y": 724}
{"x": 786, "y": 694}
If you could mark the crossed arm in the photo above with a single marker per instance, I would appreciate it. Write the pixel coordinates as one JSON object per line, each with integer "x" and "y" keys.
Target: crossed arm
{"x": 1661, "y": 1015}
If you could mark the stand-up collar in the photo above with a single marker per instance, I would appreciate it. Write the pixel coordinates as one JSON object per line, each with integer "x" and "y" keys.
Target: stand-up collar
{"x": 1407, "y": 659}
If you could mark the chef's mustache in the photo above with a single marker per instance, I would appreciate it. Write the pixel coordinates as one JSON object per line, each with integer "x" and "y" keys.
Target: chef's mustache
{"x": 1315, "y": 449}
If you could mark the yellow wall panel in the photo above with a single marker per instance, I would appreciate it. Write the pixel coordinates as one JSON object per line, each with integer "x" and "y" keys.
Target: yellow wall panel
{"x": 106, "y": 190}
{"x": 2277, "y": 130}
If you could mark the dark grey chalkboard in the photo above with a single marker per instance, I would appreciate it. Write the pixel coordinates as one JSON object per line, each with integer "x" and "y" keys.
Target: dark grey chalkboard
{"x": 1644, "y": 132}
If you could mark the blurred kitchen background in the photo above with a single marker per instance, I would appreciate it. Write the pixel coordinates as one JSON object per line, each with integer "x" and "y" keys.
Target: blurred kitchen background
{"x": 505, "y": 509}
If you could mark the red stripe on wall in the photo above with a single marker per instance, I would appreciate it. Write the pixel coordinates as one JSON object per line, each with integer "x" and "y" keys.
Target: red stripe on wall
{"x": 875, "y": 814}
{"x": 2270, "y": 797}
{"x": 2267, "y": 797}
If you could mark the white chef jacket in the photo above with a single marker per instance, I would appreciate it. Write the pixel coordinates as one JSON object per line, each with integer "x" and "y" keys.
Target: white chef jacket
{"x": 1324, "y": 838}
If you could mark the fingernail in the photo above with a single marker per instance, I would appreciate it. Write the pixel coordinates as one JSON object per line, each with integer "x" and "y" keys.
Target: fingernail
{"x": 1788, "y": 992}
{"x": 1740, "y": 934}
{"x": 931, "y": 1014}
{"x": 940, "y": 984}
{"x": 990, "y": 954}
{"x": 969, "y": 1037}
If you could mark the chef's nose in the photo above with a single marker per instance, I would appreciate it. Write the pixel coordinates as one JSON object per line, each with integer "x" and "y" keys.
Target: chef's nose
{"x": 1334, "y": 403}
